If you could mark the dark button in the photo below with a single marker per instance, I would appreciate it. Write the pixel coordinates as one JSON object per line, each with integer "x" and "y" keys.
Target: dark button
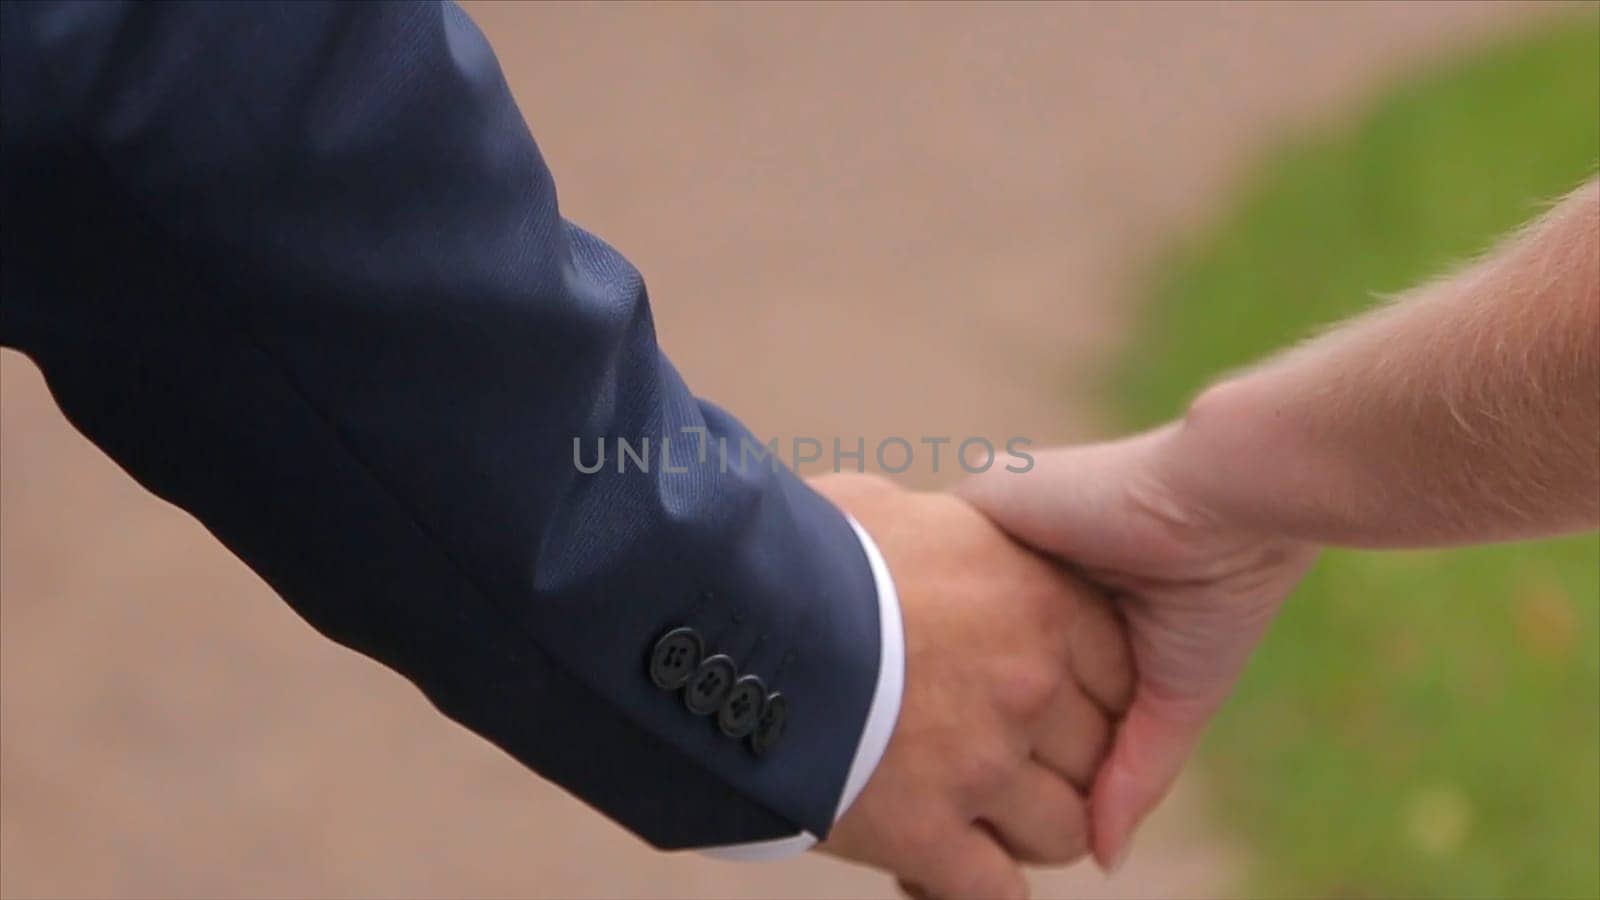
{"x": 675, "y": 658}
{"x": 711, "y": 684}
{"x": 771, "y": 723}
{"x": 739, "y": 712}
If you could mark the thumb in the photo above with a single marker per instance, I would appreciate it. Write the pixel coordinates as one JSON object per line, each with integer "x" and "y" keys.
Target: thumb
{"x": 1152, "y": 743}
{"x": 1074, "y": 502}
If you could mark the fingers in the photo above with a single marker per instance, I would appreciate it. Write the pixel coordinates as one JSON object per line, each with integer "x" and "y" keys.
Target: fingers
{"x": 913, "y": 890}
{"x": 1101, "y": 660}
{"x": 971, "y": 865}
{"x": 1147, "y": 754}
{"x": 1039, "y": 817}
{"x": 1072, "y": 736}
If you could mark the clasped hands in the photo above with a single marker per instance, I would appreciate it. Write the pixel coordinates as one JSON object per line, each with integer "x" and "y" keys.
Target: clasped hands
{"x": 1069, "y": 631}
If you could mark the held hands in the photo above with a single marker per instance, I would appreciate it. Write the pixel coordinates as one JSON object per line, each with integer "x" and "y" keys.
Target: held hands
{"x": 1016, "y": 674}
{"x": 1478, "y": 425}
{"x": 1018, "y": 680}
{"x": 1197, "y": 593}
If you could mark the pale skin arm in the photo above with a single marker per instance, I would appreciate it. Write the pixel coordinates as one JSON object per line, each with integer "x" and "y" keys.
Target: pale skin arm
{"x": 1465, "y": 411}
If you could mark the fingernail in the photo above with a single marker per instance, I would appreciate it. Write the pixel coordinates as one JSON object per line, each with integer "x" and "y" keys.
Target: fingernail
{"x": 1122, "y": 858}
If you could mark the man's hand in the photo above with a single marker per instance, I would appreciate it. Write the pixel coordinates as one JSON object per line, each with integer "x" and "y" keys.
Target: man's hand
{"x": 1196, "y": 591}
{"x": 1015, "y": 675}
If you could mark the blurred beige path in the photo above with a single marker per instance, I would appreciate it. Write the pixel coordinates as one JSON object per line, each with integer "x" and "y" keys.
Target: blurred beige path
{"x": 854, "y": 221}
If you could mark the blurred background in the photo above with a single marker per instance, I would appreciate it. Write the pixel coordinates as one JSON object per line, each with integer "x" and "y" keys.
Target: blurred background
{"x": 1048, "y": 220}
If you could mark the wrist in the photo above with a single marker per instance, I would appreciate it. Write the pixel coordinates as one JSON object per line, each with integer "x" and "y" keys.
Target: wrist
{"x": 1230, "y": 467}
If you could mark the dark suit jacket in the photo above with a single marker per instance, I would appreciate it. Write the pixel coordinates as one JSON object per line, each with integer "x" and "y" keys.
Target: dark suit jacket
{"x": 301, "y": 271}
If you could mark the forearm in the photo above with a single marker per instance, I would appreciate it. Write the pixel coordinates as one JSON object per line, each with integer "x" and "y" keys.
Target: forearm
{"x": 1467, "y": 410}
{"x": 325, "y": 301}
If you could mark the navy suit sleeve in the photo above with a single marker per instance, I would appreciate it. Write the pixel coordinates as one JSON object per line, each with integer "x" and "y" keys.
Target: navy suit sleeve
{"x": 300, "y": 270}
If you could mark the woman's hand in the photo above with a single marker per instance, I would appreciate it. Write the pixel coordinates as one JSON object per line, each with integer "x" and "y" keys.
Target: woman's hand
{"x": 1197, "y": 594}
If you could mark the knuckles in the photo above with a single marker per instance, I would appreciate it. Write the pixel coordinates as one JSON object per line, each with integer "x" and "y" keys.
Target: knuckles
{"x": 1024, "y": 688}
{"x": 985, "y": 765}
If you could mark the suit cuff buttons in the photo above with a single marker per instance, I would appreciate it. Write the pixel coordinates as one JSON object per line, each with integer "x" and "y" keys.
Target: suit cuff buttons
{"x": 740, "y": 705}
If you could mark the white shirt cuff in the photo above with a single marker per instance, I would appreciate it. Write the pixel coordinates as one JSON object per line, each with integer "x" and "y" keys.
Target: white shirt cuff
{"x": 881, "y": 715}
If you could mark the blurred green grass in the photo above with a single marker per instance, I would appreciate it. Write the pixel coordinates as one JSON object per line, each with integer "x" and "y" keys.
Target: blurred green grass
{"x": 1418, "y": 724}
